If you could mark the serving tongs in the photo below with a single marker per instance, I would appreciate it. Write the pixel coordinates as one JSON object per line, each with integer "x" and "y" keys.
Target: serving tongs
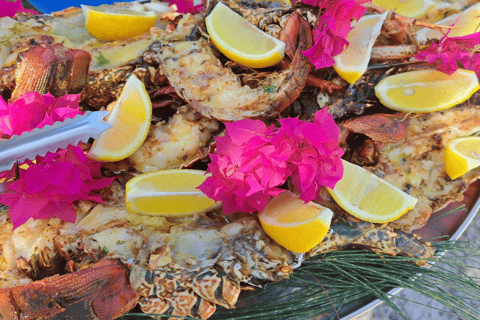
{"x": 50, "y": 138}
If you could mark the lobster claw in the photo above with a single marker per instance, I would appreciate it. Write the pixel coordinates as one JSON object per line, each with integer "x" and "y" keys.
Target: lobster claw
{"x": 99, "y": 292}
{"x": 51, "y": 68}
{"x": 297, "y": 35}
{"x": 380, "y": 127}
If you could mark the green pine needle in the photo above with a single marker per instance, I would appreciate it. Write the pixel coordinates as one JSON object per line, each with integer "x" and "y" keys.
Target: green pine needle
{"x": 455, "y": 210}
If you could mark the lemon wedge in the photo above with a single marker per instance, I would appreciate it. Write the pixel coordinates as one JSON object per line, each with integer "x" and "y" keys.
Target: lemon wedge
{"x": 130, "y": 118}
{"x": 168, "y": 193}
{"x": 368, "y": 197}
{"x": 241, "y": 41}
{"x": 408, "y": 8}
{"x": 468, "y": 22}
{"x": 426, "y": 90}
{"x": 294, "y": 224}
{"x": 461, "y": 156}
{"x": 110, "y": 24}
{"x": 352, "y": 63}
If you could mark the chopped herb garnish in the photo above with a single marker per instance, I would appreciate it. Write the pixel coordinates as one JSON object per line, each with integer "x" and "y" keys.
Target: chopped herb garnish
{"x": 119, "y": 242}
{"x": 101, "y": 60}
{"x": 269, "y": 89}
{"x": 105, "y": 249}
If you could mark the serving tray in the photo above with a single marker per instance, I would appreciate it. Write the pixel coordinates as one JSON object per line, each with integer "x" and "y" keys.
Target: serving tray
{"x": 441, "y": 226}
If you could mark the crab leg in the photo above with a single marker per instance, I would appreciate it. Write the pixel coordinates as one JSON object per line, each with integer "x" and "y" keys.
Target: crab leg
{"x": 392, "y": 15}
{"x": 404, "y": 51}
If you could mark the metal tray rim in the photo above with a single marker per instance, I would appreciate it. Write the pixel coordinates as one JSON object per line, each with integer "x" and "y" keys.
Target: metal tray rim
{"x": 456, "y": 235}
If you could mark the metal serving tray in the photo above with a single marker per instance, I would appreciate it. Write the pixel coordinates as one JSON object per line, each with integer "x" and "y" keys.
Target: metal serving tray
{"x": 453, "y": 224}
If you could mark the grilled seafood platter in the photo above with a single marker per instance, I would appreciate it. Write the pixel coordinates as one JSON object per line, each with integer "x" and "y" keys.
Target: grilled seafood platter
{"x": 111, "y": 260}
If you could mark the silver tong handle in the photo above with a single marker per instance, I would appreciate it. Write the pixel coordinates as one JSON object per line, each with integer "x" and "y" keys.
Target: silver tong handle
{"x": 50, "y": 138}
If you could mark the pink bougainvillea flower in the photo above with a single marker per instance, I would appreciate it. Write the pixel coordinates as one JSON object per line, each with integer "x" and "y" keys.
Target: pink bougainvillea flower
{"x": 334, "y": 24}
{"x": 187, "y": 6}
{"x": 9, "y": 9}
{"x": 254, "y": 160}
{"x": 314, "y": 158}
{"x": 33, "y": 110}
{"x": 449, "y": 51}
{"x": 47, "y": 187}
{"x": 244, "y": 176}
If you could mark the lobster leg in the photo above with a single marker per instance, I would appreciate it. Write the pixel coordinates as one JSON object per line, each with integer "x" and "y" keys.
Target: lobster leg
{"x": 99, "y": 292}
{"x": 381, "y": 239}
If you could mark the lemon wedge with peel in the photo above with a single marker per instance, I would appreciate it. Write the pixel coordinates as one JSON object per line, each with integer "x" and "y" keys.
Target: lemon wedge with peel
{"x": 294, "y": 224}
{"x": 408, "y": 8}
{"x": 461, "y": 156}
{"x": 170, "y": 193}
{"x": 468, "y": 22}
{"x": 368, "y": 197}
{"x": 110, "y": 24}
{"x": 426, "y": 90}
{"x": 352, "y": 63}
{"x": 241, "y": 41}
{"x": 130, "y": 119}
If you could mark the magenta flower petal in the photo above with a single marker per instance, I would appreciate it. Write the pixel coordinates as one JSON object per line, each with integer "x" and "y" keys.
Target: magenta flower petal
{"x": 9, "y": 198}
{"x": 23, "y": 117}
{"x": 323, "y": 118}
{"x": 313, "y": 3}
{"x": 243, "y": 130}
{"x": 68, "y": 101}
{"x": 18, "y": 185}
{"x": 32, "y": 110}
{"x": 321, "y": 53}
{"x": 34, "y": 180}
{"x": 63, "y": 211}
{"x": 9, "y": 9}
{"x": 24, "y": 208}
{"x": 334, "y": 24}
{"x": 187, "y": 6}
{"x": 448, "y": 52}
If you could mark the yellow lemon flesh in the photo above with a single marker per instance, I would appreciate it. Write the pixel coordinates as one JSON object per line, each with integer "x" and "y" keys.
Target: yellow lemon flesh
{"x": 426, "y": 90}
{"x": 168, "y": 193}
{"x": 352, "y": 63}
{"x": 115, "y": 23}
{"x": 241, "y": 41}
{"x": 461, "y": 156}
{"x": 408, "y": 8}
{"x": 294, "y": 224}
{"x": 368, "y": 197}
{"x": 468, "y": 22}
{"x": 130, "y": 119}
